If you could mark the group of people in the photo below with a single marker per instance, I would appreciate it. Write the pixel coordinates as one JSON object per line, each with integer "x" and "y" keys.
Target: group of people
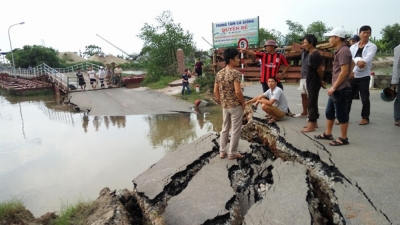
{"x": 350, "y": 78}
{"x": 198, "y": 68}
{"x": 104, "y": 76}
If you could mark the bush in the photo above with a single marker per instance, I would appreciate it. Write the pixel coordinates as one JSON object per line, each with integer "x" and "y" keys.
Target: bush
{"x": 206, "y": 83}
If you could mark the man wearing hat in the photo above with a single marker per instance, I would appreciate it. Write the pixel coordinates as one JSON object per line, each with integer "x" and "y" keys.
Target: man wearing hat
{"x": 340, "y": 91}
{"x": 271, "y": 61}
{"x": 117, "y": 74}
{"x": 395, "y": 82}
{"x": 363, "y": 52}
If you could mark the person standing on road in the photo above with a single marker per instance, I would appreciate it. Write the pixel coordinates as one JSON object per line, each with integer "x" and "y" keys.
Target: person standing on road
{"x": 363, "y": 53}
{"x": 198, "y": 67}
{"x": 81, "y": 80}
{"x": 314, "y": 81}
{"x": 185, "y": 82}
{"x": 354, "y": 39}
{"x": 340, "y": 91}
{"x": 303, "y": 85}
{"x": 92, "y": 77}
{"x": 109, "y": 74}
{"x": 395, "y": 82}
{"x": 271, "y": 62}
{"x": 117, "y": 74}
{"x": 228, "y": 92}
{"x": 102, "y": 75}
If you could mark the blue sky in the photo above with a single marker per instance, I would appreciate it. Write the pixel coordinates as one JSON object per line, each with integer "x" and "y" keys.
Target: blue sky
{"x": 71, "y": 25}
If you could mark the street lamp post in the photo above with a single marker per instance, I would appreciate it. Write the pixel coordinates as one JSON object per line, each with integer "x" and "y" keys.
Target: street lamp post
{"x": 12, "y": 55}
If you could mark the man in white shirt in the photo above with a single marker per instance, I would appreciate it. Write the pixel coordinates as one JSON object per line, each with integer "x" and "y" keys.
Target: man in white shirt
{"x": 363, "y": 52}
{"x": 273, "y": 101}
{"x": 102, "y": 75}
{"x": 92, "y": 77}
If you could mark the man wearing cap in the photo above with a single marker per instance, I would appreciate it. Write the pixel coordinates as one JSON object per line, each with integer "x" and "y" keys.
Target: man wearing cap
{"x": 395, "y": 82}
{"x": 117, "y": 74}
{"x": 363, "y": 53}
{"x": 102, "y": 75}
{"x": 340, "y": 91}
{"x": 354, "y": 39}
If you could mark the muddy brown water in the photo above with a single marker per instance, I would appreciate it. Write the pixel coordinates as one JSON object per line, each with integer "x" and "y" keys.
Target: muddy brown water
{"x": 51, "y": 157}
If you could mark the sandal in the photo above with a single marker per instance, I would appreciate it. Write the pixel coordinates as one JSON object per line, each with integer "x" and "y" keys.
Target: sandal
{"x": 222, "y": 155}
{"x": 271, "y": 121}
{"x": 324, "y": 136}
{"x": 340, "y": 141}
{"x": 397, "y": 123}
{"x": 235, "y": 156}
{"x": 364, "y": 122}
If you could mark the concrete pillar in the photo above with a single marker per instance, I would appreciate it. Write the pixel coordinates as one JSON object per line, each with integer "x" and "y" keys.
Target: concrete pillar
{"x": 180, "y": 58}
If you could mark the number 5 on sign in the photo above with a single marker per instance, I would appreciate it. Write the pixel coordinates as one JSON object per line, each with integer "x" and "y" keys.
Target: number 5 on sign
{"x": 243, "y": 43}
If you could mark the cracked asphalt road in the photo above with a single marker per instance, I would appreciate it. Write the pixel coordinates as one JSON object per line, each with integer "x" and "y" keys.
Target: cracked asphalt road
{"x": 363, "y": 175}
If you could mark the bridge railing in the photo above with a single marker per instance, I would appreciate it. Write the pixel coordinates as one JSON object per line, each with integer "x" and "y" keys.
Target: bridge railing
{"x": 83, "y": 66}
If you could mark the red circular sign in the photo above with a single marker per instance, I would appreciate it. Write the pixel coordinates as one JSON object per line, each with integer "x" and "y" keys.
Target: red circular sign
{"x": 243, "y": 43}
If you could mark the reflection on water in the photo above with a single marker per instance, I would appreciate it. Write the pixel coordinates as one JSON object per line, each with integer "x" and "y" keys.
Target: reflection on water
{"x": 50, "y": 154}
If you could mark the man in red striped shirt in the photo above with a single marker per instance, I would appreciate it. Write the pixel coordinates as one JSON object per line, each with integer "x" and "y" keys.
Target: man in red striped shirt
{"x": 271, "y": 61}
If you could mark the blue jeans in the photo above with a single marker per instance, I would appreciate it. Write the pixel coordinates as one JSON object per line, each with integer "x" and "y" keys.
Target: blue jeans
{"x": 397, "y": 105}
{"x": 187, "y": 88}
{"x": 337, "y": 105}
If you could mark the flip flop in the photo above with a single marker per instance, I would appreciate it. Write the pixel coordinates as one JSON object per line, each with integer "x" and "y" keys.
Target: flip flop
{"x": 363, "y": 122}
{"x": 222, "y": 155}
{"x": 339, "y": 142}
{"x": 235, "y": 156}
{"x": 397, "y": 123}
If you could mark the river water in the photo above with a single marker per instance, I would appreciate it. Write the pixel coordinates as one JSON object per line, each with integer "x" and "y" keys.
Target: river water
{"x": 50, "y": 156}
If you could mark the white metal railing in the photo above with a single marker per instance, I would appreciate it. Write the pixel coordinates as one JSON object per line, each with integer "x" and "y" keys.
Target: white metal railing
{"x": 56, "y": 75}
{"x": 83, "y": 66}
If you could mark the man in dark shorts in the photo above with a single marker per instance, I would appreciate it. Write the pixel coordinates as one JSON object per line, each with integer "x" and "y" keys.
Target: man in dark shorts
{"x": 314, "y": 81}
{"x": 340, "y": 91}
{"x": 81, "y": 80}
{"x": 92, "y": 76}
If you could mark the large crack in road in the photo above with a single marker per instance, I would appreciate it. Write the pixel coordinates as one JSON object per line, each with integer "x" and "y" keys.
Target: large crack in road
{"x": 252, "y": 177}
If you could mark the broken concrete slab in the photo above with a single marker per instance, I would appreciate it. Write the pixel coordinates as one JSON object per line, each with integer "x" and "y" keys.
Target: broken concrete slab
{"x": 153, "y": 181}
{"x": 285, "y": 202}
{"x": 206, "y": 196}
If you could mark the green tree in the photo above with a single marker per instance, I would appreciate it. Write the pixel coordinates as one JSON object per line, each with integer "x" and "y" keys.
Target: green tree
{"x": 91, "y": 50}
{"x": 273, "y": 34}
{"x": 391, "y": 36}
{"x": 318, "y": 28}
{"x": 296, "y": 32}
{"x": 160, "y": 45}
{"x": 34, "y": 56}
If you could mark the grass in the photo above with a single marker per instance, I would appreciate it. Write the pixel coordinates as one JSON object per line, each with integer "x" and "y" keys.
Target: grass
{"x": 75, "y": 214}
{"x": 163, "y": 82}
{"x": 11, "y": 209}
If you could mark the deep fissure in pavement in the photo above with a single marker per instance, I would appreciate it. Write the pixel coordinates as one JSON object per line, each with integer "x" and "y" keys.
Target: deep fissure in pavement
{"x": 323, "y": 205}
